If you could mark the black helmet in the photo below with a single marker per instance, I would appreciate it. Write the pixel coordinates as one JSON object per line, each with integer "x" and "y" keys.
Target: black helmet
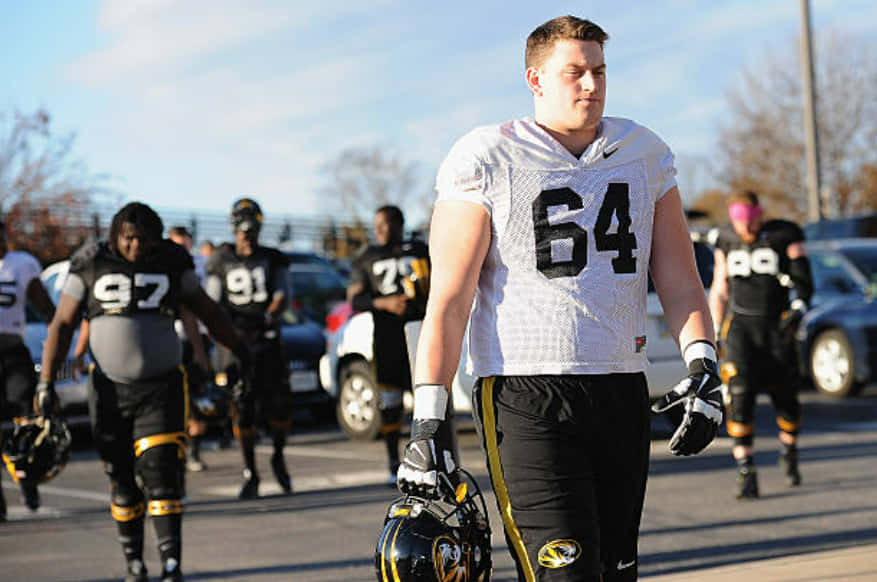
{"x": 38, "y": 449}
{"x": 435, "y": 541}
{"x": 246, "y": 215}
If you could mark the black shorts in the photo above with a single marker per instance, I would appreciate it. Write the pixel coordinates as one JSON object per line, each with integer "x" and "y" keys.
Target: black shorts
{"x": 18, "y": 382}
{"x": 760, "y": 352}
{"x": 568, "y": 457}
{"x": 270, "y": 397}
{"x": 392, "y": 367}
{"x": 122, "y": 413}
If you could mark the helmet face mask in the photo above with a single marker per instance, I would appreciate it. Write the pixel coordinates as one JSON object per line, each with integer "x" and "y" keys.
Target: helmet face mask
{"x": 246, "y": 216}
{"x": 426, "y": 541}
{"x": 38, "y": 449}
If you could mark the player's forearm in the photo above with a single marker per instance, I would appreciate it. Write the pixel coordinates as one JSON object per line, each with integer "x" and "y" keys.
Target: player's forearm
{"x": 718, "y": 304}
{"x": 440, "y": 343}
{"x": 688, "y": 316}
{"x": 55, "y": 348}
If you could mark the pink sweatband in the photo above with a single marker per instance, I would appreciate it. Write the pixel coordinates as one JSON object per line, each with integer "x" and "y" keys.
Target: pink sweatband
{"x": 744, "y": 212}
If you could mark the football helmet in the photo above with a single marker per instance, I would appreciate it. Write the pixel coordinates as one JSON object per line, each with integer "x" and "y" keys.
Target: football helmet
{"x": 246, "y": 215}
{"x": 436, "y": 541}
{"x": 38, "y": 449}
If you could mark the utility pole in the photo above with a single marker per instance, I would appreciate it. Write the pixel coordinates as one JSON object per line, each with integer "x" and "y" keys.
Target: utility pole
{"x": 814, "y": 203}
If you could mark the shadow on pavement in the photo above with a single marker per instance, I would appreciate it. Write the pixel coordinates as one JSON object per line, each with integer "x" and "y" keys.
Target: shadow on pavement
{"x": 726, "y": 554}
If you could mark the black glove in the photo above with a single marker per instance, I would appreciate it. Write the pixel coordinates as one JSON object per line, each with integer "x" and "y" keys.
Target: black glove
{"x": 45, "y": 400}
{"x": 700, "y": 394}
{"x": 792, "y": 318}
{"x": 429, "y": 465}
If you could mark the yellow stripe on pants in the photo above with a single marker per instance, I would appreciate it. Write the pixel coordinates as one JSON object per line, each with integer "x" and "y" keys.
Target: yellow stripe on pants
{"x": 499, "y": 487}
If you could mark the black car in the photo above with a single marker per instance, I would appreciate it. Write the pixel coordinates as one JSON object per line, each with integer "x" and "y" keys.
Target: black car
{"x": 838, "y": 336}
{"x": 316, "y": 285}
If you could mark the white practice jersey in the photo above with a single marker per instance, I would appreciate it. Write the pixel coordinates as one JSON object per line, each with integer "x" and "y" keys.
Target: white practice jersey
{"x": 563, "y": 287}
{"x": 17, "y": 270}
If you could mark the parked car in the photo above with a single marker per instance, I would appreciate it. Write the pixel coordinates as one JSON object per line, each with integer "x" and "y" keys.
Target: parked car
{"x": 316, "y": 285}
{"x": 838, "y": 336}
{"x": 71, "y": 386}
{"x": 346, "y": 371}
{"x": 305, "y": 344}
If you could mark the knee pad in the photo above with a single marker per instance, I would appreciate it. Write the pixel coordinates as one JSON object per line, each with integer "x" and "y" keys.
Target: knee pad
{"x": 160, "y": 462}
{"x": 390, "y": 407}
{"x": 740, "y": 425}
{"x": 789, "y": 426}
{"x": 126, "y": 498}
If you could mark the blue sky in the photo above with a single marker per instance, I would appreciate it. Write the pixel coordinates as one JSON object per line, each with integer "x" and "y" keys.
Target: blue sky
{"x": 193, "y": 104}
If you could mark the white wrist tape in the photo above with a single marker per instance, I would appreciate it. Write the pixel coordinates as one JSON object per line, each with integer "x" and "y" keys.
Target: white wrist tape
{"x": 430, "y": 402}
{"x": 699, "y": 349}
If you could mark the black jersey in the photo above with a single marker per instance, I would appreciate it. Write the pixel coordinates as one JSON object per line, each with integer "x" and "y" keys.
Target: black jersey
{"x": 756, "y": 271}
{"x": 249, "y": 284}
{"x": 395, "y": 269}
{"x": 116, "y": 286}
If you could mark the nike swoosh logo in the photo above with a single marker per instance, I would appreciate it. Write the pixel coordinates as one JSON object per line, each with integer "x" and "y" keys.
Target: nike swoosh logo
{"x": 623, "y": 566}
{"x": 607, "y": 154}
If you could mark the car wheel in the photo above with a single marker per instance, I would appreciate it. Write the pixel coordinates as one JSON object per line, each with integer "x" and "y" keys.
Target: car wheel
{"x": 358, "y": 399}
{"x": 832, "y": 367}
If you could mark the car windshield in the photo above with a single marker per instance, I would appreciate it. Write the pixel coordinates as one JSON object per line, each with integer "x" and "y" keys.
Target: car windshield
{"x": 865, "y": 260}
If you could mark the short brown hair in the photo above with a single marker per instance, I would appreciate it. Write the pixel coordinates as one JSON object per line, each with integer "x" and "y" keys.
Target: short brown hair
{"x": 747, "y": 197}
{"x": 541, "y": 41}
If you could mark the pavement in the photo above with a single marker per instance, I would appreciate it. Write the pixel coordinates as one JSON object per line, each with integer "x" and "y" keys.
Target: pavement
{"x": 856, "y": 564}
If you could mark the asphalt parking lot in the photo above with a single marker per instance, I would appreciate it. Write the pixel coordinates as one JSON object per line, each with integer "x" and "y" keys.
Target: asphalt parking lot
{"x": 327, "y": 529}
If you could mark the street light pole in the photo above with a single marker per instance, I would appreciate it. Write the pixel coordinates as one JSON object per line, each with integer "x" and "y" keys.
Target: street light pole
{"x": 814, "y": 210}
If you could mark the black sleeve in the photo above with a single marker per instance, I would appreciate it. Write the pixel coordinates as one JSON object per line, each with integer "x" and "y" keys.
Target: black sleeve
{"x": 799, "y": 271}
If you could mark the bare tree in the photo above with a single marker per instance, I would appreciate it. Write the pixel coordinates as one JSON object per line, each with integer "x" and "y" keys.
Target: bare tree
{"x": 762, "y": 147}
{"x": 363, "y": 179}
{"x": 45, "y": 192}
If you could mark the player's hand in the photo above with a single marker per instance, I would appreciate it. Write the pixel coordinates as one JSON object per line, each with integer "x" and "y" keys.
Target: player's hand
{"x": 700, "y": 397}
{"x": 45, "y": 400}
{"x": 396, "y": 304}
{"x": 791, "y": 319}
{"x": 429, "y": 466}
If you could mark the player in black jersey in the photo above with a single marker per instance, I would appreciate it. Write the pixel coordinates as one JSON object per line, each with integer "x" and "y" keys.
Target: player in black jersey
{"x": 250, "y": 281}
{"x": 19, "y": 285}
{"x": 131, "y": 287}
{"x": 391, "y": 280}
{"x": 755, "y": 267}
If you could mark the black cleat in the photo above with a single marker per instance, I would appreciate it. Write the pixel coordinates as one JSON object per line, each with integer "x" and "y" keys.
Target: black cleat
{"x": 278, "y": 465}
{"x": 747, "y": 482}
{"x": 250, "y": 489}
{"x": 136, "y": 572}
{"x": 789, "y": 463}
{"x": 30, "y": 494}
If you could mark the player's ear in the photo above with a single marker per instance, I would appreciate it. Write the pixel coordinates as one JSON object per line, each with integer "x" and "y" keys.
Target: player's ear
{"x": 534, "y": 81}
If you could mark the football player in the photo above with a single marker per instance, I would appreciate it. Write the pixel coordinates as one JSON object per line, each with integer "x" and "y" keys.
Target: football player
{"x": 193, "y": 336}
{"x": 556, "y": 222}
{"x": 131, "y": 287}
{"x": 250, "y": 281}
{"x": 391, "y": 280}
{"x": 19, "y": 284}
{"x": 756, "y": 264}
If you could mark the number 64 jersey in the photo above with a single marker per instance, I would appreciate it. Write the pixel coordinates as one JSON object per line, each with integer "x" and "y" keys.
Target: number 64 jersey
{"x": 563, "y": 287}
